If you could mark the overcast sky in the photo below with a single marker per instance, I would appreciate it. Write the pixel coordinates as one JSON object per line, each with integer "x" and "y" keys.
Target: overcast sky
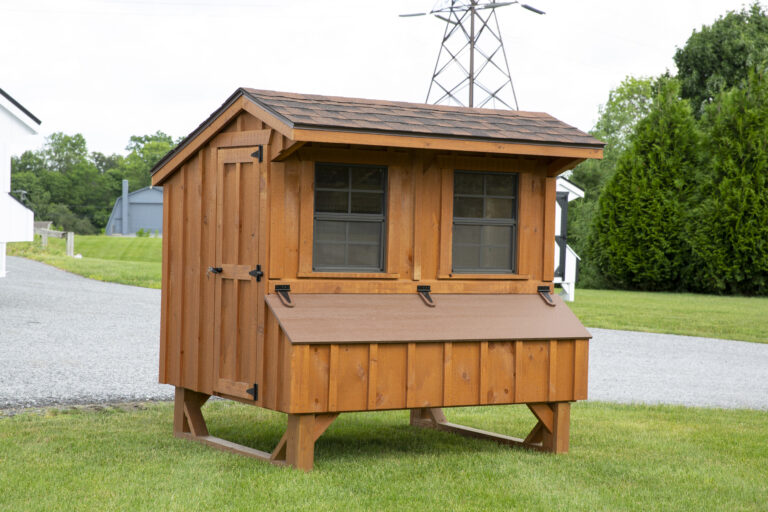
{"x": 110, "y": 69}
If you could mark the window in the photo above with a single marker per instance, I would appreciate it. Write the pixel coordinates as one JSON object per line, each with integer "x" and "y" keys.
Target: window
{"x": 349, "y": 220}
{"x": 484, "y": 222}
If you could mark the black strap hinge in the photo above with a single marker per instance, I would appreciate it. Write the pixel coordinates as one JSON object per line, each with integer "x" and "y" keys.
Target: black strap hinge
{"x": 254, "y": 391}
{"x": 257, "y": 273}
{"x": 424, "y": 291}
{"x": 283, "y": 292}
{"x": 259, "y": 153}
{"x": 544, "y": 293}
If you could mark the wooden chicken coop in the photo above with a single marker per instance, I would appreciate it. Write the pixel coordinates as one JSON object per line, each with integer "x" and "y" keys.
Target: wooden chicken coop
{"x": 325, "y": 255}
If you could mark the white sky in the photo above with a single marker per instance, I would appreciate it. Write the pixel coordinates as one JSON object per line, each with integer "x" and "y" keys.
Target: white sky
{"x": 110, "y": 69}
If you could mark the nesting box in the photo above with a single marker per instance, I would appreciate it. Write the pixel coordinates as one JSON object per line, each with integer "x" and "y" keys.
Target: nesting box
{"x": 325, "y": 255}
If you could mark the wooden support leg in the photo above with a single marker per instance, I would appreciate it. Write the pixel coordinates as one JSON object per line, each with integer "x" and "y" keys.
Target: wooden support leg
{"x": 187, "y": 417}
{"x": 300, "y": 441}
{"x": 550, "y": 433}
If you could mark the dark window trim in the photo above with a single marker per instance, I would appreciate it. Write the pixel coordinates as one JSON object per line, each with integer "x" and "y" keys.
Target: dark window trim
{"x": 481, "y": 221}
{"x": 353, "y": 217}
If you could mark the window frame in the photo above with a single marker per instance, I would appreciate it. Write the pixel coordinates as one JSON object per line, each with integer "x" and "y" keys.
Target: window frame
{"x": 445, "y": 263}
{"x": 350, "y": 217}
{"x": 483, "y": 221}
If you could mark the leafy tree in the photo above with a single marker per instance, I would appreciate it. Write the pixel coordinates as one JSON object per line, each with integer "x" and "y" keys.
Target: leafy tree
{"x": 627, "y": 104}
{"x": 730, "y": 240}
{"x": 720, "y": 56}
{"x": 144, "y": 152}
{"x": 638, "y": 239}
{"x": 63, "y": 152}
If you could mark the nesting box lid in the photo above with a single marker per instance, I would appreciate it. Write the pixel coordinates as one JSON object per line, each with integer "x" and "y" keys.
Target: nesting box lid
{"x": 399, "y": 318}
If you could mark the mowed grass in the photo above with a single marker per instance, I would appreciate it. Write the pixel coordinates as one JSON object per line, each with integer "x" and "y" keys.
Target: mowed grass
{"x": 712, "y": 316}
{"x": 622, "y": 458}
{"x": 125, "y": 260}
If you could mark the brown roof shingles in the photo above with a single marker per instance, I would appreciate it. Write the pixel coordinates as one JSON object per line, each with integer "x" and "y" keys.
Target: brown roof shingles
{"x": 326, "y": 112}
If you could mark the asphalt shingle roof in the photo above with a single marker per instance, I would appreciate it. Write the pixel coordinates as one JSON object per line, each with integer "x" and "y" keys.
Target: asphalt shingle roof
{"x": 352, "y": 114}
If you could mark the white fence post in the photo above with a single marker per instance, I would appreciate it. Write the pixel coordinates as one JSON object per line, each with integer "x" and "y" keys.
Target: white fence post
{"x": 70, "y": 244}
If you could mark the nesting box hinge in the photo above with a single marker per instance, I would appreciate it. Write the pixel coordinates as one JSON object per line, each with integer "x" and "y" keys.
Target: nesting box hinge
{"x": 545, "y": 295}
{"x": 257, "y": 273}
{"x": 424, "y": 291}
{"x": 259, "y": 153}
{"x": 283, "y": 292}
{"x": 254, "y": 391}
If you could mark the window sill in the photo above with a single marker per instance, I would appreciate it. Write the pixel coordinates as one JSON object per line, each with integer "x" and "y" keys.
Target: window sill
{"x": 348, "y": 275}
{"x": 492, "y": 277}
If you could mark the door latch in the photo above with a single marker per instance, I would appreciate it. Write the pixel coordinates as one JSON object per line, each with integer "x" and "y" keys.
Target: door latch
{"x": 257, "y": 273}
{"x": 284, "y": 294}
{"x": 545, "y": 295}
{"x": 215, "y": 270}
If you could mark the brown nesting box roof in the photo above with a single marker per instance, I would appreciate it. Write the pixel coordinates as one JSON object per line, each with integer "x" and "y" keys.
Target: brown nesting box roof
{"x": 399, "y": 318}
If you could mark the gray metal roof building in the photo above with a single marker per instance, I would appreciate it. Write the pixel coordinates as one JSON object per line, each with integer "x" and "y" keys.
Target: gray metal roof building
{"x": 141, "y": 209}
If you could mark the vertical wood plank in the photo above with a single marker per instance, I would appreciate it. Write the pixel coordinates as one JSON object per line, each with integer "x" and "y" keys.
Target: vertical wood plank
{"x": 354, "y": 361}
{"x": 446, "y": 222}
{"x": 410, "y": 397}
{"x": 333, "y": 378}
{"x": 483, "y": 398}
{"x": 580, "y": 372}
{"x": 416, "y": 169}
{"x": 191, "y": 257}
{"x": 391, "y": 385}
{"x": 548, "y": 257}
{"x": 263, "y": 236}
{"x": 427, "y": 389}
{"x": 552, "y": 372}
{"x": 447, "y": 373}
{"x": 306, "y": 220}
{"x": 565, "y": 367}
{"x": 177, "y": 280}
{"x": 465, "y": 375}
{"x": 291, "y": 237}
{"x": 164, "y": 292}
{"x": 500, "y": 364}
{"x": 518, "y": 369}
{"x": 277, "y": 220}
{"x": 373, "y": 374}
{"x": 209, "y": 181}
{"x": 393, "y": 220}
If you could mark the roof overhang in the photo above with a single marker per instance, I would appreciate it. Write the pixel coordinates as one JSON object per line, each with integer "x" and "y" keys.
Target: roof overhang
{"x": 564, "y": 156}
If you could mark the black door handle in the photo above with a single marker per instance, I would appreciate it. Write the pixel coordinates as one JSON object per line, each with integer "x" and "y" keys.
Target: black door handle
{"x": 215, "y": 270}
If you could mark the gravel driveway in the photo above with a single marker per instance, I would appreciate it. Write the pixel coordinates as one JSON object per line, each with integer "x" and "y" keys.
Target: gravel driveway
{"x": 65, "y": 339}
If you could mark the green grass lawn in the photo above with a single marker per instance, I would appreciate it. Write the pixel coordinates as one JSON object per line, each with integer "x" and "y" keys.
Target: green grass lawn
{"x": 713, "y": 316}
{"x": 622, "y": 458}
{"x": 126, "y": 260}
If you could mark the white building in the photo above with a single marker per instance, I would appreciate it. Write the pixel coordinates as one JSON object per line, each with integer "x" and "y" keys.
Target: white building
{"x": 16, "y": 221}
{"x": 566, "y": 259}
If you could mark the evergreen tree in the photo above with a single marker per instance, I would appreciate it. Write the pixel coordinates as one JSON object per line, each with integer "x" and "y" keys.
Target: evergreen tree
{"x": 638, "y": 238}
{"x": 730, "y": 239}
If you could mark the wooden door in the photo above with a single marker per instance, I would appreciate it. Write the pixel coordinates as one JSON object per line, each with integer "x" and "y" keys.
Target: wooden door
{"x": 237, "y": 293}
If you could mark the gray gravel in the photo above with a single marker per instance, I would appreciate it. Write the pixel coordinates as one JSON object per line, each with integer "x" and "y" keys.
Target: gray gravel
{"x": 628, "y": 367}
{"x": 65, "y": 339}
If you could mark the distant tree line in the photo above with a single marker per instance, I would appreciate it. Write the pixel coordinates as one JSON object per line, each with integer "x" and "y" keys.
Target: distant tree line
{"x": 76, "y": 189}
{"x": 680, "y": 201}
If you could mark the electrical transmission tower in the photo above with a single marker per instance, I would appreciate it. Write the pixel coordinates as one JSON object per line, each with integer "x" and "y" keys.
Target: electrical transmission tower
{"x": 471, "y": 68}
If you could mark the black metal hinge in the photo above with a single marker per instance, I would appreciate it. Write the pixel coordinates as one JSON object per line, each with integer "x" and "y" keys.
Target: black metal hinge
{"x": 257, "y": 273}
{"x": 545, "y": 295}
{"x": 254, "y": 391}
{"x": 283, "y": 291}
{"x": 424, "y": 291}
{"x": 259, "y": 153}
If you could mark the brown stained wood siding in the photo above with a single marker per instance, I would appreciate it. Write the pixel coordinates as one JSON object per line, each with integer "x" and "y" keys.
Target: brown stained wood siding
{"x": 352, "y": 377}
{"x": 337, "y": 378}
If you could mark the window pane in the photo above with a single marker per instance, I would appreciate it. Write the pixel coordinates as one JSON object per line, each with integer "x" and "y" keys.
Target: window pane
{"x": 466, "y": 234}
{"x": 331, "y": 202}
{"x": 466, "y": 257}
{"x": 500, "y": 184}
{"x": 496, "y": 258}
{"x": 332, "y": 176}
{"x": 363, "y": 255}
{"x": 330, "y": 231}
{"x": 329, "y": 255}
{"x": 367, "y": 202}
{"x": 468, "y": 207}
{"x": 368, "y": 232}
{"x": 496, "y": 208}
{"x": 467, "y": 183}
{"x": 368, "y": 179}
{"x": 497, "y": 235}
